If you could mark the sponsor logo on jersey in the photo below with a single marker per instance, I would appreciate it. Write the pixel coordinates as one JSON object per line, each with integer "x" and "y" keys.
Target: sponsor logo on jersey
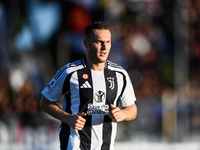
{"x": 99, "y": 96}
{"x": 86, "y": 85}
{"x": 85, "y": 76}
{"x": 111, "y": 82}
{"x": 102, "y": 109}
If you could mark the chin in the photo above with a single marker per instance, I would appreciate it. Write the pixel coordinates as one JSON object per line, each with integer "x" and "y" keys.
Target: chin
{"x": 102, "y": 60}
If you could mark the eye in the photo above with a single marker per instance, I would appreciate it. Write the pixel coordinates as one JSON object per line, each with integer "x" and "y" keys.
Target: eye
{"x": 107, "y": 42}
{"x": 98, "y": 42}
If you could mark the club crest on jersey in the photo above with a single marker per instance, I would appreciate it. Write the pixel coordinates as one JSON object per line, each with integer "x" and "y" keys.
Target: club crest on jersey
{"x": 99, "y": 96}
{"x": 85, "y": 76}
{"x": 111, "y": 82}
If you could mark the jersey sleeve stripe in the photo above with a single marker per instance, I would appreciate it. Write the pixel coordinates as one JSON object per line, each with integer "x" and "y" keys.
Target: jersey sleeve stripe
{"x": 60, "y": 72}
{"x": 83, "y": 61}
{"x": 114, "y": 65}
{"x": 125, "y": 82}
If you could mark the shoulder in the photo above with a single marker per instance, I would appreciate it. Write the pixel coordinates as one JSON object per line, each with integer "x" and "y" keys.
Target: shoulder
{"x": 70, "y": 67}
{"x": 75, "y": 63}
{"x": 115, "y": 67}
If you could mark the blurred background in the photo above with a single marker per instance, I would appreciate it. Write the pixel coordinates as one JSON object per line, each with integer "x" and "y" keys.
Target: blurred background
{"x": 156, "y": 41}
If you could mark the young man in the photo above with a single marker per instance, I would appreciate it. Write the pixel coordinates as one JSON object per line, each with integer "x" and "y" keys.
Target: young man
{"x": 92, "y": 88}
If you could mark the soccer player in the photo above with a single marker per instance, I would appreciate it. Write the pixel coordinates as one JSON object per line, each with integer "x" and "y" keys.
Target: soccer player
{"x": 93, "y": 88}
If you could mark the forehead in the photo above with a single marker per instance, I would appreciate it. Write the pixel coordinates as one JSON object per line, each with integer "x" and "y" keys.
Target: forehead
{"x": 102, "y": 34}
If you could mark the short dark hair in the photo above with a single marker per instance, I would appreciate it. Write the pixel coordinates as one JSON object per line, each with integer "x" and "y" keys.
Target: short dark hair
{"x": 95, "y": 25}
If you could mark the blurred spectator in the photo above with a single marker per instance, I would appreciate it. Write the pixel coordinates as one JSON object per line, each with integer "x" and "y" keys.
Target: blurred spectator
{"x": 6, "y": 101}
{"x": 26, "y": 101}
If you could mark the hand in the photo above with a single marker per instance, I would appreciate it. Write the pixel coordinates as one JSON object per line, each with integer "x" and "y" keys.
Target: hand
{"x": 77, "y": 121}
{"x": 116, "y": 114}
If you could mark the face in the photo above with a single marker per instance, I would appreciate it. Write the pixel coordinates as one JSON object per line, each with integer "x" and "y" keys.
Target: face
{"x": 98, "y": 46}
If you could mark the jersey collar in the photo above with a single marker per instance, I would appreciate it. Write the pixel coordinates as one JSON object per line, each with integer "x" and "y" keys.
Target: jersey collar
{"x": 85, "y": 65}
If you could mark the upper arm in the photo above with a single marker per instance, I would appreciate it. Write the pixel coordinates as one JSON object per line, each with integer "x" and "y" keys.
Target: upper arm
{"x": 43, "y": 102}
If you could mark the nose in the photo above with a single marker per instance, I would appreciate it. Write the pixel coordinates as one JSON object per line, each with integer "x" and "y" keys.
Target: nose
{"x": 103, "y": 46}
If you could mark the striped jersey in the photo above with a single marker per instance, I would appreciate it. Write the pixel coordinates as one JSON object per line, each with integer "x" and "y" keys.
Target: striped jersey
{"x": 92, "y": 92}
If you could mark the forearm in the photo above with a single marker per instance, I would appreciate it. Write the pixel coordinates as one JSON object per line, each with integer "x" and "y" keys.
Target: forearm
{"x": 53, "y": 109}
{"x": 74, "y": 121}
{"x": 130, "y": 112}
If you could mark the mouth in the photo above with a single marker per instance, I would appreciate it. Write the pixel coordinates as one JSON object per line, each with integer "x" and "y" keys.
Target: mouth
{"x": 102, "y": 54}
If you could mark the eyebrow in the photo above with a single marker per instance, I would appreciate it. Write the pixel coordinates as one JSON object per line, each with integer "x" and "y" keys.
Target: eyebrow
{"x": 102, "y": 40}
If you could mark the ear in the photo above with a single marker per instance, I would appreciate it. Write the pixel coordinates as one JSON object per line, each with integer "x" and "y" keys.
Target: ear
{"x": 85, "y": 43}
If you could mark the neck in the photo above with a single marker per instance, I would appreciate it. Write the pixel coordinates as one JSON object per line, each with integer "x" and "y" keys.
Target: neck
{"x": 95, "y": 66}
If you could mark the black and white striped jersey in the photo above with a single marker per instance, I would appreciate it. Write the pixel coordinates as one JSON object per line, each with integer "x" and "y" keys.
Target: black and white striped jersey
{"x": 92, "y": 92}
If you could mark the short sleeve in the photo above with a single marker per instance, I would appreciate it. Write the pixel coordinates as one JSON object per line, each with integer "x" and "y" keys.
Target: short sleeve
{"x": 128, "y": 96}
{"x": 53, "y": 91}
